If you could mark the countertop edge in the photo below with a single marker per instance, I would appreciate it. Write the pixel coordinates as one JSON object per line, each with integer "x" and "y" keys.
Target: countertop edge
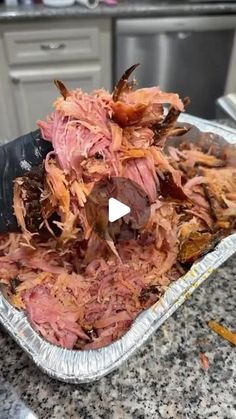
{"x": 36, "y": 12}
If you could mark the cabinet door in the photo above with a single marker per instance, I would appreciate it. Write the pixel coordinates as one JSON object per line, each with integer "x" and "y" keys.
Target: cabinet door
{"x": 35, "y": 92}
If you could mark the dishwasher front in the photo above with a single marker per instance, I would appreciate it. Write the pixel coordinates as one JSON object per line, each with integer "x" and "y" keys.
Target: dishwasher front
{"x": 189, "y": 55}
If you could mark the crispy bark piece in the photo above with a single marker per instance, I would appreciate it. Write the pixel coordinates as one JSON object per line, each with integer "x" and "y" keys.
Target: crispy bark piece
{"x": 31, "y": 186}
{"x": 167, "y": 127}
{"x": 168, "y": 187}
{"x": 196, "y": 245}
{"x": 123, "y": 83}
{"x": 62, "y": 88}
{"x": 127, "y": 115}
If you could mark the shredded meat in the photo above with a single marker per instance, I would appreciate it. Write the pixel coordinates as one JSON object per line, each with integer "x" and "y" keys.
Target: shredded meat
{"x": 81, "y": 291}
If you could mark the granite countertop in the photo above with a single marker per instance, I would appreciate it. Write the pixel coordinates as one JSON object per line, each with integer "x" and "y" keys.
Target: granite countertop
{"x": 164, "y": 379}
{"x": 125, "y": 8}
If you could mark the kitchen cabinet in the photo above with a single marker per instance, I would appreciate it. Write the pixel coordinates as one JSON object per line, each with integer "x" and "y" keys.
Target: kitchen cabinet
{"x": 32, "y": 55}
{"x": 34, "y": 92}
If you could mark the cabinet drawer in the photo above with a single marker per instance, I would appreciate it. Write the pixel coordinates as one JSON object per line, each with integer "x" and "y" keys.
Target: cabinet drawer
{"x": 52, "y": 45}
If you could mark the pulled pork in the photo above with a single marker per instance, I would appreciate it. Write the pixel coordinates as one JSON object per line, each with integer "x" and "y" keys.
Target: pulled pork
{"x": 78, "y": 290}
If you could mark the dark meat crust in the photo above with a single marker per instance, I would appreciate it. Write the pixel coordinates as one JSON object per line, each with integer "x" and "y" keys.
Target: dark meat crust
{"x": 123, "y": 83}
{"x": 167, "y": 127}
{"x": 169, "y": 188}
{"x": 151, "y": 292}
{"x": 197, "y": 244}
{"x": 32, "y": 186}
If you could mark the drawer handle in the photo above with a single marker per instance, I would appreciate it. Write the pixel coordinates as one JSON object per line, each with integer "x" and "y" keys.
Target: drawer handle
{"x": 15, "y": 80}
{"x": 52, "y": 46}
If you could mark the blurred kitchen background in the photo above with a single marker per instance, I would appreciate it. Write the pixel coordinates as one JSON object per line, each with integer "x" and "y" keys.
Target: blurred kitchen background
{"x": 183, "y": 46}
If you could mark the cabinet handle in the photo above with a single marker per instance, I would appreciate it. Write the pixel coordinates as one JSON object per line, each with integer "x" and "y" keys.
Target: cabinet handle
{"x": 183, "y": 35}
{"x": 52, "y": 46}
{"x": 15, "y": 80}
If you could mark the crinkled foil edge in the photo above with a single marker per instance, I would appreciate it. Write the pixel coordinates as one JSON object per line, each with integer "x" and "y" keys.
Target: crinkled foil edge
{"x": 86, "y": 366}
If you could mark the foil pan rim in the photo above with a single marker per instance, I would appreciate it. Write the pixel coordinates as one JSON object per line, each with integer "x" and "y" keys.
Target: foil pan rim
{"x": 86, "y": 366}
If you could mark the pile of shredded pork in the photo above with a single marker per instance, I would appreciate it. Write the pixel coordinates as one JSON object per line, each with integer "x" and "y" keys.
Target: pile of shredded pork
{"x": 78, "y": 290}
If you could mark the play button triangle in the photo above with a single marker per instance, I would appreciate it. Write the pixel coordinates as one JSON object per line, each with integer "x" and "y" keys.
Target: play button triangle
{"x": 116, "y": 210}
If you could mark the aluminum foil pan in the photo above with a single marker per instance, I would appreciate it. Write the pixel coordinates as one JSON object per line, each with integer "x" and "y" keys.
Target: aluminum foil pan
{"x": 85, "y": 366}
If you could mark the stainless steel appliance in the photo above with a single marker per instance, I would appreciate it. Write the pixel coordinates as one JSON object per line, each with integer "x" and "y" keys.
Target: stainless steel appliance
{"x": 189, "y": 55}
{"x": 226, "y": 106}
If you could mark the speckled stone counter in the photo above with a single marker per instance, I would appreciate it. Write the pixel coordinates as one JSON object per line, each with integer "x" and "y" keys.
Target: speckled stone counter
{"x": 125, "y": 8}
{"x": 164, "y": 379}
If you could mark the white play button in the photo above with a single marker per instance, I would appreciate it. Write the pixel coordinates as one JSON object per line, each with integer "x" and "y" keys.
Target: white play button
{"x": 116, "y": 210}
